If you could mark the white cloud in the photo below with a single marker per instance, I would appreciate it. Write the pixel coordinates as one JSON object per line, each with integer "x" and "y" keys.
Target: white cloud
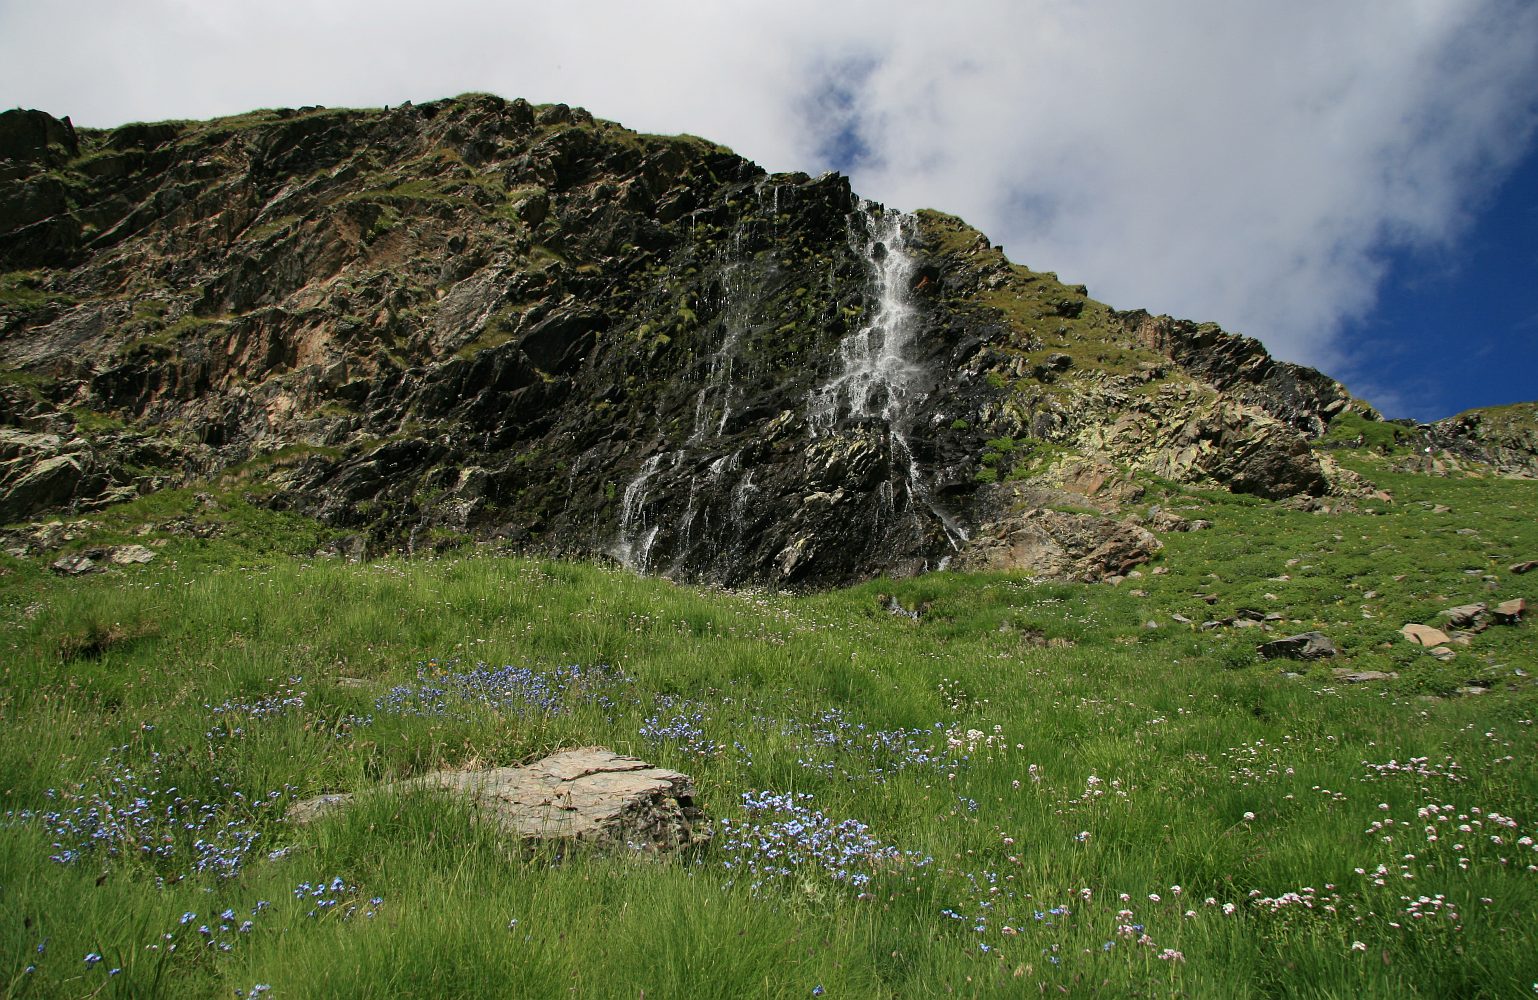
{"x": 1250, "y": 164}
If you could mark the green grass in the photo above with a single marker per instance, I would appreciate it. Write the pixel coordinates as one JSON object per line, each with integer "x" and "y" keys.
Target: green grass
{"x": 1105, "y": 759}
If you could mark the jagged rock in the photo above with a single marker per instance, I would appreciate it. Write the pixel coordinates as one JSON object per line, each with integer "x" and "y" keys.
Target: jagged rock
{"x": 590, "y": 796}
{"x": 1524, "y": 567}
{"x": 76, "y": 564}
{"x": 1466, "y": 616}
{"x": 1424, "y": 635}
{"x": 1160, "y": 519}
{"x": 1350, "y": 676}
{"x": 1305, "y": 646}
{"x": 1058, "y": 545}
{"x": 353, "y": 549}
{"x": 1503, "y": 437}
{"x": 474, "y": 318}
{"x": 1511, "y": 612}
{"x": 130, "y": 555}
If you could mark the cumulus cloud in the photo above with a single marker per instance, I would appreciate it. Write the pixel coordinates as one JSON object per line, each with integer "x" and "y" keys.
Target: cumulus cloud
{"x": 1255, "y": 164}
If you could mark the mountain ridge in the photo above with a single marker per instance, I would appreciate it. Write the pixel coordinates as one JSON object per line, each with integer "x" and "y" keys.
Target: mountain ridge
{"x": 484, "y": 319}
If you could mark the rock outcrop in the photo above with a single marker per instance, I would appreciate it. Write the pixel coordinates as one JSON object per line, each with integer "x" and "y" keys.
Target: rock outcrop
{"x": 482, "y": 319}
{"x": 591, "y": 797}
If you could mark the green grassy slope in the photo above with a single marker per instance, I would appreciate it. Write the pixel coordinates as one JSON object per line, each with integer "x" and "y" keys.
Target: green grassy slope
{"x": 1056, "y": 797}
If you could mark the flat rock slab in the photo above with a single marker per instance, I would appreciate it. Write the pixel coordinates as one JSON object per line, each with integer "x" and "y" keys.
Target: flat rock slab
{"x": 1307, "y": 646}
{"x": 1425, "y": 635}
{"x": 1511, "y": 612}
{"x": 1362, "y": 676}
{"x": 592, "y": 796}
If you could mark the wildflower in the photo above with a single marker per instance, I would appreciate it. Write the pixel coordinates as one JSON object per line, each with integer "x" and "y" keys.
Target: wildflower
{"x": 1358, "y": 946}
{"x": 817, "y": 990}
{"x": 1248, "y": 816}
{"x": 92, "y": 958}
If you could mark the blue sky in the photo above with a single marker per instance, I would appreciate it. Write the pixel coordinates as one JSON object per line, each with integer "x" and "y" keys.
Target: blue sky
{"x": 1457, "y": 327}
{"x": 1353, "y": 184}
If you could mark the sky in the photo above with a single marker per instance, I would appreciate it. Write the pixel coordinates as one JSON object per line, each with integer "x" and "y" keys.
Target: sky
{"x": 1355, "y": 184}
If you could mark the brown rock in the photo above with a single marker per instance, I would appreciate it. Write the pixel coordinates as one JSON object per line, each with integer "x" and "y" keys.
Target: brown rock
{"x": 590, "y": 796}
{"x": 1424, "y": 635}
{"x": 1049, "y": 543}
{"x": 1523, "y": 567}
{"x": 1511, "y": 612}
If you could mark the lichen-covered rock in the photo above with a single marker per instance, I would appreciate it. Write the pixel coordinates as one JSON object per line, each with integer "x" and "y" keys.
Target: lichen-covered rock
{"x": 590, "y": 796}
{"x": 1053, "y": 544}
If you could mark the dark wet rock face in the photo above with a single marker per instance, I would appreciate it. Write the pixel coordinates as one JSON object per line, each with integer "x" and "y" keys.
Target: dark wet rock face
{"x": 483, "y": 319}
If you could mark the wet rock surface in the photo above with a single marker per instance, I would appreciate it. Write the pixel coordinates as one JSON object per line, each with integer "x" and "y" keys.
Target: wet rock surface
{"x": 590, "y": 796}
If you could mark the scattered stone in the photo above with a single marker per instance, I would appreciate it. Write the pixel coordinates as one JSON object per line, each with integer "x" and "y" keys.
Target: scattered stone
{"x": 1442, "y": 653}
{"x": 1473, "y": 689}
{"x": 1424, "y": 635}
{"x": 1306, "y": 646}
{"x": 1466, "y": 616}
{"x": 1209, "y": 598}
{"x": 353, "y": 549}
{"x": 895, "y": 607}
{"x": 130, "y": 555}
{"x": 591, "y": 796}
{"x": 1160, "y": 519}
{"x": 1350, "y": 676}
{"x": 1466, "y": 531}
{"x": 1138, "y": 593}
{"x": 1369, "y": 595}
{"x": 75, "y": 565}
{"x": 1159, "y": 570}
{"x": 1441, "y": 509}
{"x": 1524, "y": 567}
{"x": 1511, "y": 612}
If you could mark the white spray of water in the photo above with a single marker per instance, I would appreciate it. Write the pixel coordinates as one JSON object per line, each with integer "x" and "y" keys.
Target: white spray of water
{"x": 878, "y": 379}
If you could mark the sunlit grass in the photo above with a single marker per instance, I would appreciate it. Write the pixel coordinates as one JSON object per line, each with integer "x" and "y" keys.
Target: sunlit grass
{"x": 1034, "y": 768}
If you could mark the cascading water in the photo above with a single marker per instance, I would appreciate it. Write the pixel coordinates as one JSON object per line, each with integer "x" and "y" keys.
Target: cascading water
{"x": 640, "y": 525}
{"x": 878, "y": 379}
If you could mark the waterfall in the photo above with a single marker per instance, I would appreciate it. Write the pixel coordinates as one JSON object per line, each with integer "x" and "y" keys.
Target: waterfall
{"x": 877, "y": 378}
{"x": 637, "y": 529}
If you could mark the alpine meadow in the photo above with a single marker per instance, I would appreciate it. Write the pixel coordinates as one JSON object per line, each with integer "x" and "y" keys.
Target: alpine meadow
{"x": 474, "y": 549}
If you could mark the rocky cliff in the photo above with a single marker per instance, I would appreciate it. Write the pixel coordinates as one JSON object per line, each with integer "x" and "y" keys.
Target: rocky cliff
{"x": 478, "y": 318}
